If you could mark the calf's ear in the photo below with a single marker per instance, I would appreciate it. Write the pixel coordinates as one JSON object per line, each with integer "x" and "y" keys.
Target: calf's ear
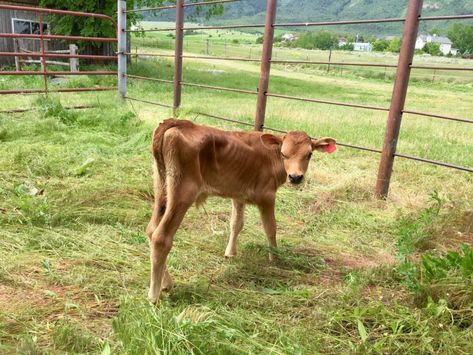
{"x": 328, "y": 145}
{"x": 271, "y": 141}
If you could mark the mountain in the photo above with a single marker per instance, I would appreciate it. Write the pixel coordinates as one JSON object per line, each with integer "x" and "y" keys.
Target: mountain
{"x": 253, "y": 11}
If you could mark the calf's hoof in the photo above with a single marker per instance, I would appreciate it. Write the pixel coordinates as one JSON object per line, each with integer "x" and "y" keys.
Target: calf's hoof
{"x": 152, "y": 298}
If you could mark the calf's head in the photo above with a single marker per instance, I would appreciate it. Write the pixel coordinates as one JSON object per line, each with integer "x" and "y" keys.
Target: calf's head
{"x": 296, "y": 150}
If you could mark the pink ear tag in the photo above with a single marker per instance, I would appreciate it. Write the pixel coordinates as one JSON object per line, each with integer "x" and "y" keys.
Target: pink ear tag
{"x": 330, "y": 148}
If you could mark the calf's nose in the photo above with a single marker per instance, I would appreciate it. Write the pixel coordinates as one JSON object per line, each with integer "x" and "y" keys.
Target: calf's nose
{"x": 296, "y": 179}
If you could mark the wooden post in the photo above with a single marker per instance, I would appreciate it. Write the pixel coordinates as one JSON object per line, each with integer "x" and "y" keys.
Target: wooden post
{"x": 207, "y": 46}
{"x": 271, "y": 7}
{"x": 398, "y": 100}
{"x": 17, "y": 48}
{"x": 122, "y": 57}
{"x": 178, "y": 55}
{"x": 329, "y": 60}
{"x": 73, "y": 62}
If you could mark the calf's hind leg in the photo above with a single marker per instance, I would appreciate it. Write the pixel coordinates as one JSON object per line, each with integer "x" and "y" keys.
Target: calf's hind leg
{"x": 179, "y": 201}
{"x": 236, "y": 225}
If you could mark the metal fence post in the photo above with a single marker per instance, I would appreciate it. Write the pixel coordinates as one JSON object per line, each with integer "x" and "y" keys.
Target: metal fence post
{"x": 122, "y": 57}
{"x": 178, "y": 55}
{"x": 271, "y": 7}
{"x": 398, "y": 100}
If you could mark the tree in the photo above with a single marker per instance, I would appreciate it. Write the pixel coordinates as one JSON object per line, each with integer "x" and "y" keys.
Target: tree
{"x": 432, "y": 48}
{"x": 380, "y": 45}
{"x": 395, "y": 45}
{"x": 93, "y": 27}
{"x": 317, "y": 40}
{"x": 462, "y": 37}
{"x": 347, "y": 47}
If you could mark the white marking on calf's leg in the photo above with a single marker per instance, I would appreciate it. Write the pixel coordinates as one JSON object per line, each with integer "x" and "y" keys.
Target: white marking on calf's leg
{"x": 236, "y": 224}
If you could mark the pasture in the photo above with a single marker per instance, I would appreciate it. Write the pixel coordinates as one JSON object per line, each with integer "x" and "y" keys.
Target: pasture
{"x": 354, "y": 274}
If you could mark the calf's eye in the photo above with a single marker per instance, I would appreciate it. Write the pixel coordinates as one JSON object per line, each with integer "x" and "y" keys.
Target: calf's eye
{"x": 283, "y": 156}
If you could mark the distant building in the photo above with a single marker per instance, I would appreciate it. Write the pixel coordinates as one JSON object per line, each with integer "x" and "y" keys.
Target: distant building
{"x": 444, "y": 42}
{"x": 362, "y": 47}
{"x": 288, "y": 37}
{"x": 342, "y": 41}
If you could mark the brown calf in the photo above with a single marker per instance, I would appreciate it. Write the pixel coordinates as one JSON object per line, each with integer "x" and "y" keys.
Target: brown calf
{"x": 193, "y": 162}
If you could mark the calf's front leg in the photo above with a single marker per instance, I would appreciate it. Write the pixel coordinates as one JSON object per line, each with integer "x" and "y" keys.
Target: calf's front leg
{"x": 236, "y": 225}
{"x": 269, "y": 223}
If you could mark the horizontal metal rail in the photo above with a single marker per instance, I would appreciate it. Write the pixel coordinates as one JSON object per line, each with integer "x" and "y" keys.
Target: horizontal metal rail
{"x": 60, "y": 37}
{"x": 150, "y": 79}
{"x": 452, "y": 17}
{"x": 148, "y": 102}
{"x": 333, "y": 63}
{"x": 221, "y": 58}
{"x": 21, "y": 110}
{"x": 197, "y": 28}
{"x": 225, "y": 119}
{"x": 334, "y": 23}
{"x": 335, "y": 103}
{"x": 65, "y": 73}
{"x": 434, "y": 115}
{"x": 158, "y": 8}
{"x": 309, "y": 62}
{"x": 43, "y": 91}
{"x": 434, "y": 162}
{"x": 240, "y": 91}
{"x": 282, "y": 131}
{"x": 149, "y": 55}
{"x": 57, "y": 12}
{"x": 57, "y": 55}
{"x": 441, "y": 68}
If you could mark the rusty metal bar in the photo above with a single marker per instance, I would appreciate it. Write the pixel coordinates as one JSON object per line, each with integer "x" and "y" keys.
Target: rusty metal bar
{"x": 335, "y": 103}
{"x": 434, "y": 162}
{"x": 178, "y": 55}
{"x": 225, "y": 119}
{"x": 441, "y": 68}
{"x": 453, "y": 17}
{"x": 434, "y": 115}
{"x": 65, "y": 73}
{"x": 158, "y": 8}
{"x": 121, "y": 47}
{"x": 196, "y": 28}
{"x": 57, "y": 55}
{"x": 148, "y": 102}
{"x": 209, "y": 2}
{"x": 333, "y": 63}
{"x": 42, "y": 91}
{"x": 150, "y": 79}
{"x": 221, "y": 58}
{"x": 21, "y": 110}
{"x": 271, "y": 7}
{"x": 334, "y": 23}
{"x": 401, "y": 84}
{"x": 149, "y": 55}
{"x": 59, "y": 37}
{"x": 240, "y": 91}
{"x": 39, "y": 10}
{"x": 43, "y": 58}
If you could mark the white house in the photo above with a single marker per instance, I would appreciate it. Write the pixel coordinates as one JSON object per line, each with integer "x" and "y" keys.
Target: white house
{"x": 362, "y": 47}
{"x": 288, "y": 37}
{"x": 444, "y": 42}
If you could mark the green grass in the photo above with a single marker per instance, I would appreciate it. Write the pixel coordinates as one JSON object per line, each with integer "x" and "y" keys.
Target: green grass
{"x": 354, "y": 275}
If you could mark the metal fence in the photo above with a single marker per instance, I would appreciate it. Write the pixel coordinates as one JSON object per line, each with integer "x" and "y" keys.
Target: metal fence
{"x": 44, "y": 55}
{"x": 395, "y": 111}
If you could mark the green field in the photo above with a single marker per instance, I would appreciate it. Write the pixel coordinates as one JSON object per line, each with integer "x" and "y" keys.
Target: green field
{"x": 354, "y": 274}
